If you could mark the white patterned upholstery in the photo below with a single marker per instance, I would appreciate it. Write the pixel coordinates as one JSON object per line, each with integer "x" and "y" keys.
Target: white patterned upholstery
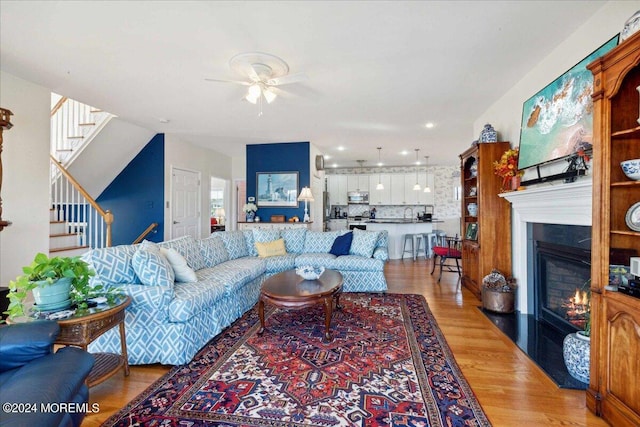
{"x": 248, "y": 240}
{"x": 113, "y": 266}
{"x": 363, "y": 243}
{"x": 169, "y": 323}
{"x": 315, "y": 260}
{"x": 235, "y": 244}
{"x": 188, "y": 248}
{"x": 152, "y": 268}
{"x": 294, "y": 239}
{"x": 276, "y": 264}
{"x": 319, "y": 241}
{"x": 213, "y": 251}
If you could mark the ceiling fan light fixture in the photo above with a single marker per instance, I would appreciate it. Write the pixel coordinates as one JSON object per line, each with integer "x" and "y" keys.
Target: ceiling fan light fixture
{"x": 269, "y": 95}
{"x": 252, "y": 99}
{"x": 255, "y": 91}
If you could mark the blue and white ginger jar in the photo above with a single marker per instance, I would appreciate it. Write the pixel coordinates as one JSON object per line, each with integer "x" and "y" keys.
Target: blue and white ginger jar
{"x": 488, "y": 134}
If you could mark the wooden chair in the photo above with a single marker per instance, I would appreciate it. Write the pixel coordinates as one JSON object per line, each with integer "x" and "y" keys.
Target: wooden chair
{"x": 448, "y": 249}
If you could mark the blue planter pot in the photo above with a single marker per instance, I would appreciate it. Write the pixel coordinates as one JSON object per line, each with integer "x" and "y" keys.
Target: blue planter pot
{"x": 53, "y": 296}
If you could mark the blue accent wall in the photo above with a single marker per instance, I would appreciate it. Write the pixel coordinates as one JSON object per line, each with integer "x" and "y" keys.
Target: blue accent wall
{"x": 278, "y": 157}
{"x": 136, "y": 195}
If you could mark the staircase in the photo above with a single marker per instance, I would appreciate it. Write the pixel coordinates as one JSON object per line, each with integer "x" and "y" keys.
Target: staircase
{"x": 65, "y": 239}
{"x": 77, "y": 222}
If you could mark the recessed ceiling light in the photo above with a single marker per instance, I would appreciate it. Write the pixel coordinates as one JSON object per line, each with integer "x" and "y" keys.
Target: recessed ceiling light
{"x": 327, "y": 157}
{"x": 429, "y": 125}
{"x": 404, "y": 152}
{"x": 335, "y": 165}
{"x": 341, "y": 148}
{"x": 380, "y": 163}
{"x": 164, "y": 120}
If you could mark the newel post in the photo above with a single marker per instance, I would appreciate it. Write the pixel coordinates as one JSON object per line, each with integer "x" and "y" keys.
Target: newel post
{"x": 5, "y": 123}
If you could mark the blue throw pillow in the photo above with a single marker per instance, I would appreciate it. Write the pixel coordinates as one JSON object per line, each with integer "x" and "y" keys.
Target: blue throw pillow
{"x": 342, "y": 244}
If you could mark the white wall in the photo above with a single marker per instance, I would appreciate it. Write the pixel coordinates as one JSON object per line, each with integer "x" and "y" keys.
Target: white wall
{"x": 506, "y": 113}
{"x": 25, "y": 184}
{"x": 184, "y": 155}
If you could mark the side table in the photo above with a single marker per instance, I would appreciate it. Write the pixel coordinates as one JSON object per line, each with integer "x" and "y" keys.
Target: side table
{"x": 82, "y": 330}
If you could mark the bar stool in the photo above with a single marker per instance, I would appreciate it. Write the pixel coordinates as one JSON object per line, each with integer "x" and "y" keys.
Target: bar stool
{"x": 416, "y": 245}
{"x": 431, "y": 240}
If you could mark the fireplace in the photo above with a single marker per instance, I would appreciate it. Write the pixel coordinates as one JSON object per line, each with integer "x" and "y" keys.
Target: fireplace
{"x": 562, "y": 260}
{"x": 551, "y": 238}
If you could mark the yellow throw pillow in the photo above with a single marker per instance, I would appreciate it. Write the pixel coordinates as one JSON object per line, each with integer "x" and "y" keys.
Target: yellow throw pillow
{"x": 274, "y": 248}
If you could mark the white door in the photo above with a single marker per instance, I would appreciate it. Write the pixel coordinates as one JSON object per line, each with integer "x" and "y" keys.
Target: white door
{"x": 185, "y": 213}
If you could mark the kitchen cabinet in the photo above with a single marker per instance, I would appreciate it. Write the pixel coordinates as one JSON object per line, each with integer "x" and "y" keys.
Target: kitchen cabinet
{"x": 337, "y": 224}
{"x": 417, "y": 197}
{"x": 337, "y": 188}
{"x": 486, "y": 225}
{"x": 379, "y": 197}
{"x": 358, "y": 182}
{"x": 397, "y": 189}
{"x": 613, "y": 391}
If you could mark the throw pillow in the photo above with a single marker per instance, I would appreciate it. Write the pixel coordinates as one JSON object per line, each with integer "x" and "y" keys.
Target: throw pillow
{"x": 188, "y": 248}
{"x": 234, "y": 242}
{"x": 182, "y": 271}
{"x": 213, "y": 251}
{"x": 364, "y": 242}
{"x": 294, "y": 239}
{"x": 342, "y": 244}
{"x": 274, "y": 248}
{"x": 152, "y": 268}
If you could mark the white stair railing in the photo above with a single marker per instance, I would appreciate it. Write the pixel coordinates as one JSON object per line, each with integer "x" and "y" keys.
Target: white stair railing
{"x": 80, "y": 212}
{"x": 73, "y": 126}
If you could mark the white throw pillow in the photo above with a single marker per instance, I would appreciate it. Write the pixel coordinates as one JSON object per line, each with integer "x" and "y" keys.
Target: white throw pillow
{"x": 183, "y": 272}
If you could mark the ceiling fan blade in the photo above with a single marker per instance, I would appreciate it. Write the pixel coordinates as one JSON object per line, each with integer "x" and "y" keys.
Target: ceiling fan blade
{"x": 287, "y": 79}
{"x": 252, "y": 73}
{"x": 230, "y": 81}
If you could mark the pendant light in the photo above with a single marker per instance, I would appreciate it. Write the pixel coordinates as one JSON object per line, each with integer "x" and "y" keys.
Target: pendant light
{"x": 417, "y": 186}
{"x": 427, "y": 189}
{"x": 380, "y": 186}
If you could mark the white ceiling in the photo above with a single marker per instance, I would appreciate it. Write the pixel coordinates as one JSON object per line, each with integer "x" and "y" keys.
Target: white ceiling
{"x": 377, "y": 71}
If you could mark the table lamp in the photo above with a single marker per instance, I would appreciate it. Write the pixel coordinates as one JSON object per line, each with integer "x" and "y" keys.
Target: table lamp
{"x": 220, "y": 215}
{"x": 306, "y": 196}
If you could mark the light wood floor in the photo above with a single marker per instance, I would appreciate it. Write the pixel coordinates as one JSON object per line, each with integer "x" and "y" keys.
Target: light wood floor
{"x": 512, "y": 390}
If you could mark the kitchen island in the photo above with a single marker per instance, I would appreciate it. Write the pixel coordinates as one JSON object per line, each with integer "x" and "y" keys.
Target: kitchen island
{"x": 397, "y": 228}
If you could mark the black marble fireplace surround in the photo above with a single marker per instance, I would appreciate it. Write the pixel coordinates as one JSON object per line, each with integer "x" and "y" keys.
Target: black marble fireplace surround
{"x": 559, "y": 260}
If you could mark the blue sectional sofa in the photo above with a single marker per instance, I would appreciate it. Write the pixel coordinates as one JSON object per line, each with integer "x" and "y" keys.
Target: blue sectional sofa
{"x": 170, "y": 318}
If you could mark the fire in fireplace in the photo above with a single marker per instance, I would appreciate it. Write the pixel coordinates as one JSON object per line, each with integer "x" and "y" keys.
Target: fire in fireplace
{"x": 577, "y": 309}
{"x": 562, "y": 276}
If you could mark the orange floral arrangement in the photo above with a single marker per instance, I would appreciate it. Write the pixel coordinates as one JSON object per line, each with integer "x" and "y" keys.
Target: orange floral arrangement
{"x": 507, "y": 166}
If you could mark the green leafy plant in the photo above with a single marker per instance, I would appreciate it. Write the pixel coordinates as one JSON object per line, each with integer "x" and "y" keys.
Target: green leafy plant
{"x": 49, "y": 270}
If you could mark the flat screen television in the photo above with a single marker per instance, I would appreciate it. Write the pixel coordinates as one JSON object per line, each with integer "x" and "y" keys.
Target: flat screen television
{"x": 558, "y": 120}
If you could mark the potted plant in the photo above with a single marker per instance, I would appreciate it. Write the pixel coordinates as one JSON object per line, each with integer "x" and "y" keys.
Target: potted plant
{"x": 250, "y": 209}
{"x": 576, "y": 347}
{"x": 55, "y": 282}
{"x": 507, "y": 169}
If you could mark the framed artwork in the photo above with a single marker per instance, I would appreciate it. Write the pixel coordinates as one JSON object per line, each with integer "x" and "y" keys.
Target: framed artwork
{"x": 277, "y": 189}
{"x": 558, "y": 120}
{"x": 472, "y": 231}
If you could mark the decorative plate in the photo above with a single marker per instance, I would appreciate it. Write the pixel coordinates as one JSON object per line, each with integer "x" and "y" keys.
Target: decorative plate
{"x": 633, "y": 217}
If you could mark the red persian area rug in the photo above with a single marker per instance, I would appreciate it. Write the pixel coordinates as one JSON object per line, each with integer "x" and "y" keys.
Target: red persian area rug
{"x": 388, "y": 365}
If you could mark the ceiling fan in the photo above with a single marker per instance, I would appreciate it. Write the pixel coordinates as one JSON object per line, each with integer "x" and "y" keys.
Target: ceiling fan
{"x": 263, "y": 73}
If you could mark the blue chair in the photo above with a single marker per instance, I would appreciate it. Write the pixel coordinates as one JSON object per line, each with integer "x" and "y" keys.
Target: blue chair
{"x": 31, "y": 373}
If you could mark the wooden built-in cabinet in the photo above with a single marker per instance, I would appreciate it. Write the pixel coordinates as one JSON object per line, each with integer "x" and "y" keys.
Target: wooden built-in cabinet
{"x": 614, "y": 389}
{"x": 489, "y": 246}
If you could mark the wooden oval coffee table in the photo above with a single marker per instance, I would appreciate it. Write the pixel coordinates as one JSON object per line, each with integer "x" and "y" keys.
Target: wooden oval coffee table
{"x": 290, "y": 291}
